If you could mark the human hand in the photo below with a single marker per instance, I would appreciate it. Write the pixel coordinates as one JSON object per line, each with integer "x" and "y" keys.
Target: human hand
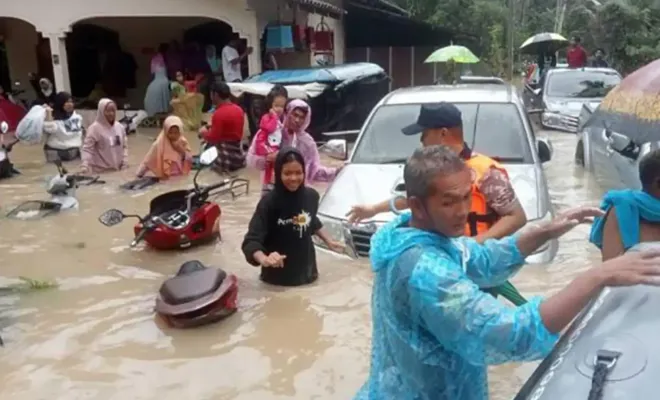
{"x": 179, "y": 146}
{"x": 270, "y": 157}
{"x": 632, "y": 268}
{"x": 336, "y": 246}
{"x": 569, "y": 219}
{"x": 359, "y": 213}
{"x": 274, "y": 260}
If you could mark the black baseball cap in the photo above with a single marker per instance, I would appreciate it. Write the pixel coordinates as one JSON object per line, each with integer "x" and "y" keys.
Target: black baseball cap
{"x": 435, "y": 116}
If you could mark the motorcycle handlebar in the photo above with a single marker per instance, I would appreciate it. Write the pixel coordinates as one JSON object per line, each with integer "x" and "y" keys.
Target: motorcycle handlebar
{"x": 139, "y": 237}
{"x": 207, "y": 189}
{"x": 8, "y": 147}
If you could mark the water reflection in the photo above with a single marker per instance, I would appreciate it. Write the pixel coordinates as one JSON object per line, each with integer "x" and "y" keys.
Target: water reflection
{"x": 96, "y": 335}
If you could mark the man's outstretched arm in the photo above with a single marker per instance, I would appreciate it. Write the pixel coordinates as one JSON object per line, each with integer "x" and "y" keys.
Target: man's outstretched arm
{"x": 362, "y": 212}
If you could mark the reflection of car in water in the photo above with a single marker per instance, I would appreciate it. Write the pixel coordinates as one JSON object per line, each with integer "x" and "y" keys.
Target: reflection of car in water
{"x": 341, "y": 96}
{"x": 562, "y": 93}
{"x": 494, "y": 123}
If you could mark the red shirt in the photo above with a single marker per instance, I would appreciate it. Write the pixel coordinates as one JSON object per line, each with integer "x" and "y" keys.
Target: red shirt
{"x": 226, "y": 124}
{"x": 576, "y": 57}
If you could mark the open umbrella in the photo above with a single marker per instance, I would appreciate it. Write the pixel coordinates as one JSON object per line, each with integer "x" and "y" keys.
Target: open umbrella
{"x": 457, "y": 54}
{"x": 547, "y": 42}
{"x": 632, "y": 108}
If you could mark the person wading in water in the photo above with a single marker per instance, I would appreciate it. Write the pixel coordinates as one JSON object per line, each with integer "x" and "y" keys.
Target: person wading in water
{"x": 496, "y": 211}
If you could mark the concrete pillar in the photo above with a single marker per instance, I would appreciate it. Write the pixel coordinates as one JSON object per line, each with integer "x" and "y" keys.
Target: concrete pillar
{"x": 253, "y": 40}
{"x": 60, "y": 61}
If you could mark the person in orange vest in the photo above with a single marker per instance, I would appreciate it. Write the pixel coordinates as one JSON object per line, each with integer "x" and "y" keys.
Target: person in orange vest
{"x": 496, "y": 211}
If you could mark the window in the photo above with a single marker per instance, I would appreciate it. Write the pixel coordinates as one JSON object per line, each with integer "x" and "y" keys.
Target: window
{"x": 581, "y": 84}
{"x": 493, "y": 129}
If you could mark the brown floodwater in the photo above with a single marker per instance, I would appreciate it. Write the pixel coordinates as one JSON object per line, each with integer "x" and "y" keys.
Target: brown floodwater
{"x": 95, "y": 337}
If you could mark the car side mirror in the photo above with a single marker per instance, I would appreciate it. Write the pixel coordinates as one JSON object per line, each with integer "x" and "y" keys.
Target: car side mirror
{"x": 335, "y": 148}
{"x": 623, "y": 145}
{"x": 111, "y": 217}
{"x": 545, "y": 150}
{"x": 208, "y": 156}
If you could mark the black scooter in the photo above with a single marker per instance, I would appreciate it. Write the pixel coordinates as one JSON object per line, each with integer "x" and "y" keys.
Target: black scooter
{"x": 7, "y": 169}
{"x": 127, "y": 120}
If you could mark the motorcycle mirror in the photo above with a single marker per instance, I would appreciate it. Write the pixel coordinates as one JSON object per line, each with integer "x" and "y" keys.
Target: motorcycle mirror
{"x": 111, "y": 217}
{"x": 4, "y": 127}
{"x": 208, "y": 156}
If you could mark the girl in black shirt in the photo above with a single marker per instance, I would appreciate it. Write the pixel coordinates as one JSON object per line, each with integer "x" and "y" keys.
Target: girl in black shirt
{"x": 279, "y": 237}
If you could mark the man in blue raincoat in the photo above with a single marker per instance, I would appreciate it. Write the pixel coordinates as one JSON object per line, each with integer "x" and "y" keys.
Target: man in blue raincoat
{"x": 434, "y": 331}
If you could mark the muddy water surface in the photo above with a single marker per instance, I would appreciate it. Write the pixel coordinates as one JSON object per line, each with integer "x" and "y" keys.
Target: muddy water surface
{"x": 95, "y": 337}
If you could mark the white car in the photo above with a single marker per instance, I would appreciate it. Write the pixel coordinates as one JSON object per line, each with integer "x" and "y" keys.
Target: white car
{"x": 494, "y": 123}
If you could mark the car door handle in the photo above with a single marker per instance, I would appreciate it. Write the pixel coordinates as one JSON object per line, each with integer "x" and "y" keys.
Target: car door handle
{"x": 608, "y": 143}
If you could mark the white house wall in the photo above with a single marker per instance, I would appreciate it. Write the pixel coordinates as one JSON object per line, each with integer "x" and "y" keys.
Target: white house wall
{"x": 54, "y": 19}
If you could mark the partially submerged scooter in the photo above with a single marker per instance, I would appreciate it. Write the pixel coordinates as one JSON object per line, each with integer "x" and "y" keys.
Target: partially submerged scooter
{"x": 182, "y": 218}
{"x": 127, "y": 121}
{"x": 7, "y": 169}
{"x": 62, "y": 189}
{"x": 197, "y": 295}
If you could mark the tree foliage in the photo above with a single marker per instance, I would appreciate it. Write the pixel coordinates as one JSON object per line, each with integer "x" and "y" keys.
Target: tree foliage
{"x": 627, "y": 30}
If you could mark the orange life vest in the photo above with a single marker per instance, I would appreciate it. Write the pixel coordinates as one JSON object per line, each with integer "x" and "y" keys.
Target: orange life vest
{"x": 481, "y": 217}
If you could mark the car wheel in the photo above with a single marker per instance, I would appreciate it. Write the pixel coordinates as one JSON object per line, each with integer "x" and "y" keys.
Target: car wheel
{"x": 579, "y": 154}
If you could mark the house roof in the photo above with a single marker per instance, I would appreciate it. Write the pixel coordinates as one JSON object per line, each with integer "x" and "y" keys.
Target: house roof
{"x": 380, "y": 6}
{"x": 320, "y": 7}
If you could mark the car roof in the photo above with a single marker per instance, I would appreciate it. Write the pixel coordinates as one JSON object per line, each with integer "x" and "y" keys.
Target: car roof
{"x": 460, "y": 93}
{"x": 585, "y": 69}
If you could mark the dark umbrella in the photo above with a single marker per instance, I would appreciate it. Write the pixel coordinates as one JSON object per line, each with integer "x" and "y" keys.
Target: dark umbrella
{"x": 548, "y": 42}
{"x": 632, "y": 108}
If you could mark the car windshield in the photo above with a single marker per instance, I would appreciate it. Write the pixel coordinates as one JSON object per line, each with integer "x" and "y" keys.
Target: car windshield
{"x": 492, "y": 129}
{"x": 582, "y": 84}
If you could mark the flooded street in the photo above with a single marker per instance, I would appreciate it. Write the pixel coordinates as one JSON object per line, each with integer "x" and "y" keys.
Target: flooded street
{"x": 95, "y": 336}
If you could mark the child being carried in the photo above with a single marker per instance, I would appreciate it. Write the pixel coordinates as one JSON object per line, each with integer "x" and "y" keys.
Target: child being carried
{"x": 269, "y": 136}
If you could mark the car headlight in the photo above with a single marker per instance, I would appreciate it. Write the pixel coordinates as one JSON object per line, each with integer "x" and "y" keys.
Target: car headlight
{"x": 551, "y": 117}
{"x": 334, "y": 228}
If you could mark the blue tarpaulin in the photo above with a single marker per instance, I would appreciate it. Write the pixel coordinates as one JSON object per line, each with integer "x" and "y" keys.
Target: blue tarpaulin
{"x": 338, "y": 73}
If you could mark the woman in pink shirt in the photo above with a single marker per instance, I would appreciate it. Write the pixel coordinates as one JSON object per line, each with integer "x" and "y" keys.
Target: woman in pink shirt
{"x": 105, "y": 146}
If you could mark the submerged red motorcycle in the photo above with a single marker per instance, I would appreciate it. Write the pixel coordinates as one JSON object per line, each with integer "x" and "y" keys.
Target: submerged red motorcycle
{"x": 182, "y": 218}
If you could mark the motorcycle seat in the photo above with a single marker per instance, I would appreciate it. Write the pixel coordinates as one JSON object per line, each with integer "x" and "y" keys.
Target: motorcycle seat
{"x": 188, "y": 287}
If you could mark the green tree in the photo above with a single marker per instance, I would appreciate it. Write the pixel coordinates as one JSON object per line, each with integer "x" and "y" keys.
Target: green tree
{"x": 628, "y": 30}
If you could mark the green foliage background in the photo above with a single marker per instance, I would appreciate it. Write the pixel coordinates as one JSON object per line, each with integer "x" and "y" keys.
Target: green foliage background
{"x": 628, "y": 30}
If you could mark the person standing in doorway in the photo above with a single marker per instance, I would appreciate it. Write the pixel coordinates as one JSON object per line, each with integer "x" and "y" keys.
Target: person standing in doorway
{"x": 231, "y": 61}
{"x": 576, "y": 56}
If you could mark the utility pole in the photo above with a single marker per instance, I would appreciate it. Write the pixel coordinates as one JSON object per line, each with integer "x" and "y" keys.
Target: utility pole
{"x": 510, "y": 38}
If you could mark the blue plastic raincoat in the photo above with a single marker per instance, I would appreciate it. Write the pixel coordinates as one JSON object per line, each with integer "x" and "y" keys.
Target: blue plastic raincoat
{"x": 434, "y": 331}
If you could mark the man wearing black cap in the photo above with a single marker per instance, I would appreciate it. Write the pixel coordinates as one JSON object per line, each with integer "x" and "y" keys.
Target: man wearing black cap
{"x": 496, "y": 211}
